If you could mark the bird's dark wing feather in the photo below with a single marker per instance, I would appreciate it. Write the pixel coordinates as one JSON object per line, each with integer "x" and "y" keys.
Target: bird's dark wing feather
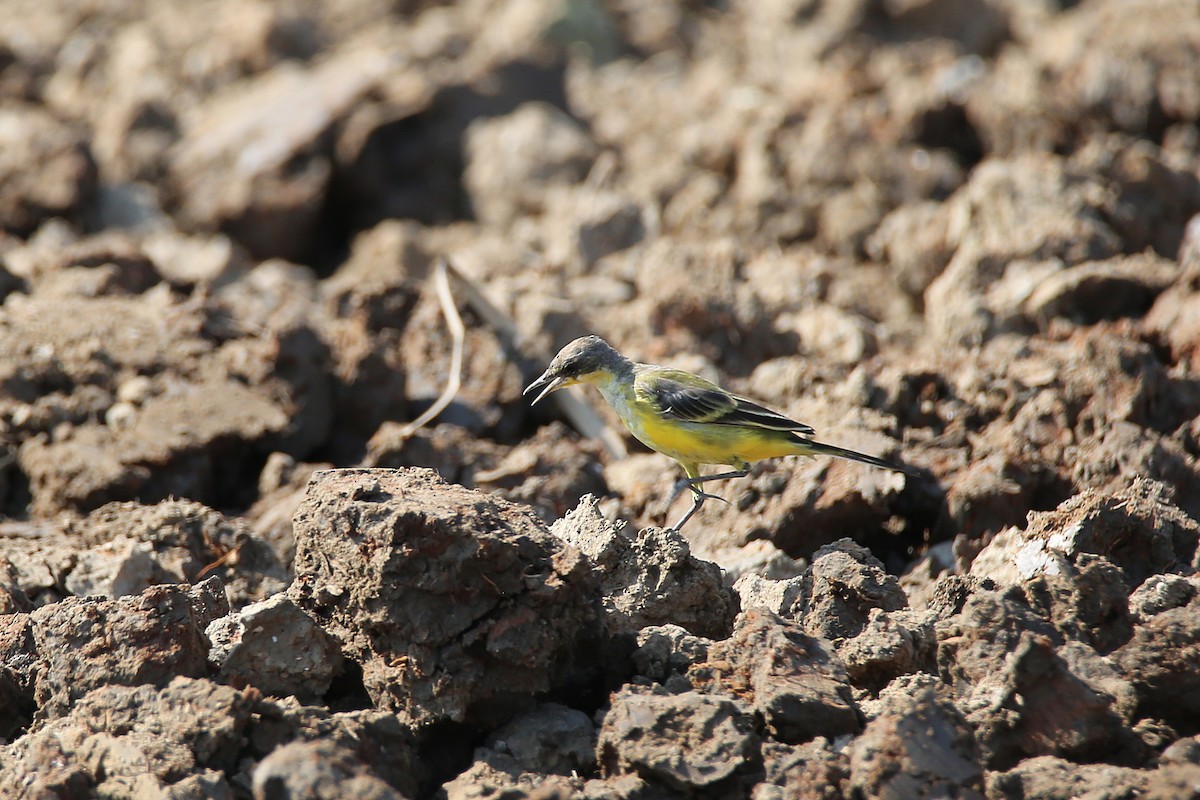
{"x": 751, "y": 413}
{"x": 694, "y": 400}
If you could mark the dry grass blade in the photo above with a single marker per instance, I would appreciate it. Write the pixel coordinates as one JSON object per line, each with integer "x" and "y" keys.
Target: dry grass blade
{"x": 582, "y": 416}
{"x": 458, "y": 335}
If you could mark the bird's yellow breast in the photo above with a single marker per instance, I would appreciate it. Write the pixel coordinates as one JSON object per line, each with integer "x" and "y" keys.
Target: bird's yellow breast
{"x": 708, "y": 443}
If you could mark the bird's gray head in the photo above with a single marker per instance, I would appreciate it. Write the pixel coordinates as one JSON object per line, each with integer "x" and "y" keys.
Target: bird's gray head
{"x": 584, "y": 359}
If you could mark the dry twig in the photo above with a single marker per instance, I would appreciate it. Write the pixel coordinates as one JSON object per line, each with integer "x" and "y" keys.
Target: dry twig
{"x": 458, "y": 334}
{"x": 582, "y": 416}
{"x": 585, "y": 418}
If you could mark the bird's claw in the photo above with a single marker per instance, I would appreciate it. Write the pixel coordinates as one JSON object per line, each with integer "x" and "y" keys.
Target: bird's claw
{"x": 698, "y": 496}
{"x": 684, "y": 483}
{"x": 711, "y": 496}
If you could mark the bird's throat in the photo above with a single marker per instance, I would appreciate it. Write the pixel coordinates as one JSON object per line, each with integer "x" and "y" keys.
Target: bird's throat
{"x": 617, "y": 392}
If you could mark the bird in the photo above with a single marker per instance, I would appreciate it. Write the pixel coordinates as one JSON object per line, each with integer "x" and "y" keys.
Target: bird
{"x": 687, "y": 418}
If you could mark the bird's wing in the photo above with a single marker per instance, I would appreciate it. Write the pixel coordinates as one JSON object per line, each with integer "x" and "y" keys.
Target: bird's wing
{"x": 684, "y": 396}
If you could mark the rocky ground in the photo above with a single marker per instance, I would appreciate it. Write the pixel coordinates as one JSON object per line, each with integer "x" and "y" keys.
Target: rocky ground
{"x": 962, "y": 235}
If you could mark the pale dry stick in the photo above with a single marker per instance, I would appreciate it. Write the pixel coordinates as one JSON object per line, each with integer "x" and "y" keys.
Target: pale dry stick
{"x": 458, "y": 335}
{"x": 583, "y": 416}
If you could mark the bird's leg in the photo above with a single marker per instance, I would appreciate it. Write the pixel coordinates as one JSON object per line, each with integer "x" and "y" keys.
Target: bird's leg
{"x": 693, "y": 481}
{"x": 699, "y": 479}
{"x": 687, "y": 483}
{"x": 699, "y": 501}
{"x": 699, "y": 498}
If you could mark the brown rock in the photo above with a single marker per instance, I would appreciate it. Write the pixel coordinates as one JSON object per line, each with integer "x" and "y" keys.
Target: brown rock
{"x": 890, "y": 644}
{"x": 41, "y": 556}
{"x": 127, "y": 547}
{"x": 816, "y": 202}
{"x": 844, "y": 584}
{"x": 456, "y": 604}
{"x": 1014, "y": 223}
{"x": 1103, "y": 674}
{"x": 369, "y": 301}
{"x": 53, "y": 374}
{"x": 1162, "y": 660}
{"x": 375, "y": 739}
{"x": 125, "y": 740}
{"x": 814, "y": 769}
{"x": 1024, "y": 692}
{"x": 1182, "y": 751}
{"x": 787, "y": 597}
{"x": 550, "y": 739}
{"x": 791, "y": 680}
{"x": 1087, "y": 601}
{"x": 830, "y": 334}
{"x": 1154, "y": 191}
{"x": 19, "y": 663}
{"x": 1139, "y": 388}
{"x": 804, "y": 505}
{"x": 912, "y": 239}
{"x": 651, "y": 577}
{"x": 88, "y": 643}
{"x": 248, "y": 165}
{"x": 1089, "y": 292}
{"x": 513, "y": 160}
{"x": 9, "y": 283}
{"x": 451, "y": 450}
{"x": 496, "y": 775}
{"x": 275, "y": 647}
{"x": 57, "y": 264}
{"x": 74, "y": 363}
{"x": 988, "y": 625}
{"x": 1125, "y": 453}
{"x": 489, "y": 399}
{"x": 317, "y": 771}
{"x": 1043, "y": 95}
{"x": 550, "y": 471}
{"x": 696, "y": 300}
{"x": 687, "y": 742}
{"x": 1139, "y": 529}
{"x": 13, "y": 599}
{"x": 1159, "y": 593}
{"x": 918, "y": 745}
{"x": 281, "y": 486}
{"x": 46, "y": 169}
{"x": 583, "y": 225}
{"x": 1034, "y": 705}
{"x": 995, "y": 491}
{"x": 1175, "y": 316}
{"x": 666, "y": 652}
{"x": 1058, "y": 779}
{"x": 848, "y": 217}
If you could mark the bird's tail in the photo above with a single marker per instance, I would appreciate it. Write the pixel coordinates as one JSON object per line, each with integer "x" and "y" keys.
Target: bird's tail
{"x": 820, "y": 448}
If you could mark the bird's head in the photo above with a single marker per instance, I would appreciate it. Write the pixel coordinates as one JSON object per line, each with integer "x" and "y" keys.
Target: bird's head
{"x": 584, "y": 359}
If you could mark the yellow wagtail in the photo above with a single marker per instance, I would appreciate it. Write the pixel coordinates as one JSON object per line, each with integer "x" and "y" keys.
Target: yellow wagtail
{"x": 685, "y": 417}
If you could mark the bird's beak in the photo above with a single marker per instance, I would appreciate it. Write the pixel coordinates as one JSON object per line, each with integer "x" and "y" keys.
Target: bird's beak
{"x": 547, "y": 384}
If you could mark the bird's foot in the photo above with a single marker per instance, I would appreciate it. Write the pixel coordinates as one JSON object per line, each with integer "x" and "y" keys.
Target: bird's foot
{"x": 684, "y": 483}
{"x": 710, "y": 496}
{"x": 698, "y": 498}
